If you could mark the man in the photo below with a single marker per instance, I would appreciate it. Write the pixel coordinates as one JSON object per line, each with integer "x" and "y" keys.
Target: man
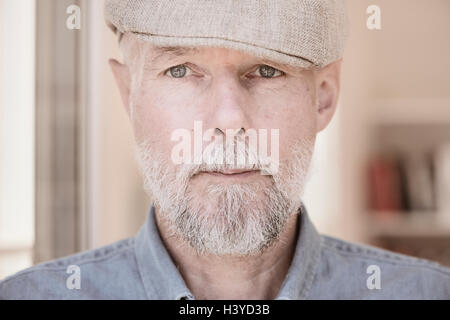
{"x": 205, "y": 83}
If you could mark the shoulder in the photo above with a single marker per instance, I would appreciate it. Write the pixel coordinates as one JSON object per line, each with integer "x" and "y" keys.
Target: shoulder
{"x": 100, "y": 273}
{"x": 363, "y": 271}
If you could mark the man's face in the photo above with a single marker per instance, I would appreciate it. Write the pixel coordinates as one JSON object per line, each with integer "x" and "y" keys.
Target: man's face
{"x": 222, "y": 208}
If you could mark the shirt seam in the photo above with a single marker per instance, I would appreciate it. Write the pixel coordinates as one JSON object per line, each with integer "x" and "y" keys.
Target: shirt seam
{"x": 418, "y": 264}
{"x": 339, "y": 244}
{"x": 49, "y": 268}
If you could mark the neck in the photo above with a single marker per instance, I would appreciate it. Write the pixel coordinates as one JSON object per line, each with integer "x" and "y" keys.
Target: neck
{"x": 255, "y": 277}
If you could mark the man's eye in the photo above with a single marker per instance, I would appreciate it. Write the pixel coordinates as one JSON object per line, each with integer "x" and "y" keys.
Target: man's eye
{"x": 266, "y": 71}
{"x": 178, "y": 71}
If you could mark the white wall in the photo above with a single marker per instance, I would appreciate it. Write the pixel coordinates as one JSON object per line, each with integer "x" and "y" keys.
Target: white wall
{"x": 118, "y": 204}
{"x": 16, "y": 134}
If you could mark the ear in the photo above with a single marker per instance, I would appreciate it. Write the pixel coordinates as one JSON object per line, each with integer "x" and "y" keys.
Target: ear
{"x": 122, "y": 76}
{"x": 327, "y": 93}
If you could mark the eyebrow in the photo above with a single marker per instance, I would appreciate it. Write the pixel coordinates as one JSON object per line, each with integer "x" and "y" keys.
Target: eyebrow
{"x": 172, "y": 52}
{"x": 281, "y": 65}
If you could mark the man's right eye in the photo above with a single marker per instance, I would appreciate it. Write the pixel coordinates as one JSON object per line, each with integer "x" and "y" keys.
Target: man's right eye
{"x": 177, "y": 71}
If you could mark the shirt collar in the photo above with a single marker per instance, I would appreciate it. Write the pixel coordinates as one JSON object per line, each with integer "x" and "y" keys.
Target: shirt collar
{"x": 162, "y": 280}
{"x": 304, "y": 264}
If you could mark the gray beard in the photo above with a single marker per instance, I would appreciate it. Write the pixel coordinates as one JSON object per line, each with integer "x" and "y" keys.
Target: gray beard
{"x": 228, "y": 219}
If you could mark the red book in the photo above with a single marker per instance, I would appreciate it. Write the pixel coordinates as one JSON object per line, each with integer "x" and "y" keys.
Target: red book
{"x": 384, "y": 185}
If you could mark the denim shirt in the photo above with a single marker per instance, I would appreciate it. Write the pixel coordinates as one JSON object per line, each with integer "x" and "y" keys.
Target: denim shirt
{"x": 141, "y": 268}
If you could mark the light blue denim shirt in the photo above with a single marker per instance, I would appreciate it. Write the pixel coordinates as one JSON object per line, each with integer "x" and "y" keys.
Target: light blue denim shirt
{"x": 322, "y": 268}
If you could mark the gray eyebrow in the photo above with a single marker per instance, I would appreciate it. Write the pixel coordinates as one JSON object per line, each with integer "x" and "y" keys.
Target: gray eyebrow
{"x": 171, "y": 52}
{"x": 161, "y": 52}
{"x": 283, "y": 65}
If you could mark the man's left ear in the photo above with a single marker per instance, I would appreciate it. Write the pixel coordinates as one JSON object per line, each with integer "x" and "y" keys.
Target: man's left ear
{"x": 327, "y": 93}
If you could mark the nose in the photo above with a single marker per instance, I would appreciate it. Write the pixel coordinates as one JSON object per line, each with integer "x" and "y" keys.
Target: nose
{"x": 228, "y": 105}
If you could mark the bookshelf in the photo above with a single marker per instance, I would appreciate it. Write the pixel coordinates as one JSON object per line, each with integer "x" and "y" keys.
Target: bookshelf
{"x": 386, "y": 83}
{"x": 408, "y": 177}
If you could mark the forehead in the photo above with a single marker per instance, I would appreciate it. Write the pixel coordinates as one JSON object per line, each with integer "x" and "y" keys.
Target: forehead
{"x": 153, "y": 55}
{"x": 165, "y": 53}
{"x": 158, "y": 53}
{"x": 177, "y": 51}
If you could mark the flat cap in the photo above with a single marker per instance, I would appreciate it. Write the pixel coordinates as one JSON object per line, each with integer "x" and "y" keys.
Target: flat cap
{"x": 302, "y": 33}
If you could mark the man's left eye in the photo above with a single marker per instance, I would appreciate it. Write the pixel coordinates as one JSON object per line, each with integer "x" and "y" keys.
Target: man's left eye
{"x": 266, "y": 71}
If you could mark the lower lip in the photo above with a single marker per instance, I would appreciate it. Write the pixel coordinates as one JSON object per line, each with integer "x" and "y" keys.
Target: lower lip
{"x": 238, "y": 175}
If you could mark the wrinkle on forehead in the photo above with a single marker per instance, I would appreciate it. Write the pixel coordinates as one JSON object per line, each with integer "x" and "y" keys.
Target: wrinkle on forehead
{"x": 159, "y": 52}
{"x": 155, "y": 54}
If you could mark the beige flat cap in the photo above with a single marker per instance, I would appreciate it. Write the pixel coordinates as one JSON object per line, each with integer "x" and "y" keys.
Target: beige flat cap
{"x": 302, "y": 33}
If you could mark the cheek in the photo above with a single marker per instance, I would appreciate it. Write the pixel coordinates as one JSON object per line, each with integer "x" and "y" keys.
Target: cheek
{"x": 292, "y": 111}
{"x": 160, "y": 111}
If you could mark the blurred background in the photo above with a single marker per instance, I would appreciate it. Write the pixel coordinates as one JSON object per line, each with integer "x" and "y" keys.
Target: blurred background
{"x": 69, "y": 181}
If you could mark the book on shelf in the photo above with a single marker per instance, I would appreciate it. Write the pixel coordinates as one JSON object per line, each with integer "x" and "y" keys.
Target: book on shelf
{"x": 419, "y": 182}
{"x": 407, "y": 182}
{"x": 384, "y": 184}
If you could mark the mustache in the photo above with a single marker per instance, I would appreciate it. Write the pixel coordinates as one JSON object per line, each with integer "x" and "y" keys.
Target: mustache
{"x": 227, "y": 157}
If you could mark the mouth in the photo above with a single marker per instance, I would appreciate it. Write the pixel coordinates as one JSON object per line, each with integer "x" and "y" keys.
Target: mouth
{"x": 231, "y": 173}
